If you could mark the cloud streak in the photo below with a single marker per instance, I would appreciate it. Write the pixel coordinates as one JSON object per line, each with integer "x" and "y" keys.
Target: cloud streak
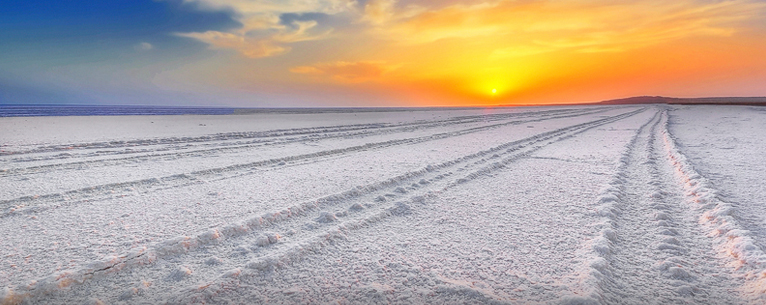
{"x": 353, "y": 72}
{"x": 258, "y": 43}
{"x": 580, "y": 25}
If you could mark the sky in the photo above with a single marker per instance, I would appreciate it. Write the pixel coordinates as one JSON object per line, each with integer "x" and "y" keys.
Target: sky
{"x": 377, "y": 53}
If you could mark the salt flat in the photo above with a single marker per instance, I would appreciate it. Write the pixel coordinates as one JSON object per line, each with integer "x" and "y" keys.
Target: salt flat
{"x": 573, "y": 205}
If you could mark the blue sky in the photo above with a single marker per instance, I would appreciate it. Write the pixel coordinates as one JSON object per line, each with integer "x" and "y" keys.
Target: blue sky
{"x": 52, "y": 50}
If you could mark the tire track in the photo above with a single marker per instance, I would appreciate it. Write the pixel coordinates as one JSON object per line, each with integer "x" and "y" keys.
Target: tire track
{"x": 306, "y": 227}
{"x": 104, "y": 191}
{"x": 154, "y": 156}
{"x": 309, "y": 133}
{"x": 296, "y": 250}
{"x": 731, "y": 241}
{"x": 650, "y": 251}
{"x": 596, "y": 253}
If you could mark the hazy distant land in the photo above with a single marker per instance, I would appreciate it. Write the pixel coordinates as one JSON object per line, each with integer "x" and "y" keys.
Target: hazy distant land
{"x": 752, "y": 101}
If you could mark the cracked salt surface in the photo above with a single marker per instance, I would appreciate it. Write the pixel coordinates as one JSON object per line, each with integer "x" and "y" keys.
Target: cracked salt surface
{"x": 573, "y": 205}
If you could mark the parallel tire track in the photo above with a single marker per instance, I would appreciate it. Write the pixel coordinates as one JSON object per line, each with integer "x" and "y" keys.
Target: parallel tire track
{"x": 414, "y": 198}
{"x": 597, "y": 270}
{"x": 650, "y": 249}
{"x": 732, "y": 241}
{"x": 98, "y": 192}
{"x": 309, "y": 226}
{"x": 156, "y": 155}
{"x": 268, "y": 138}
{"x": 308, "y": 133}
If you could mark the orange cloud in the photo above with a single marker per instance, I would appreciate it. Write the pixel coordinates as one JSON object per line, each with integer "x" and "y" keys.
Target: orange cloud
{"x": 581, "y": 25}
{"x": 520, "y": 51}
{"x": 353, "y": 72}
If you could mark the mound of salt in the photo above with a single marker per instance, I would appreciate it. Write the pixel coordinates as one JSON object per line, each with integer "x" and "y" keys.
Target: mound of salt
{"x": 326, "y": 217}
{"x": 179, "y": 273}
{"x": 401, "y": 209}
{"x": 267, "y": 239}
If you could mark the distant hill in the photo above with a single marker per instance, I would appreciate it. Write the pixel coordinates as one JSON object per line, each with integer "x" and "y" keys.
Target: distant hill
{"x": 752, "y": 101}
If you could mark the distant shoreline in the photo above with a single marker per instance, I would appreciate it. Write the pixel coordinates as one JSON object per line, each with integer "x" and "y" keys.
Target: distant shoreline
{"x": 109, "y": 110}
{"x": 37, "y": 110}
{"x": 743, "y": 101}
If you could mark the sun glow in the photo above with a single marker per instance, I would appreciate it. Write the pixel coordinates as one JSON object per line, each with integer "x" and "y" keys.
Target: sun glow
{"x": 494, "y": 91}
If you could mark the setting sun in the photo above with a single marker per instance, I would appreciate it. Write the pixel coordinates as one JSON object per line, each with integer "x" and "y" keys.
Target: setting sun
{"x": 494, "y": 91}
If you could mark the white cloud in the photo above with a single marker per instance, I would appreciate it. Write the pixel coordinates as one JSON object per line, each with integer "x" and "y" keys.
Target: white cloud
{"x": 262, "y": 33}
{"x": 144, "y": 46}
{"x": 254, "y": 7}
{"x": 379, "y": 11}
{"x": 249, "y": 47}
